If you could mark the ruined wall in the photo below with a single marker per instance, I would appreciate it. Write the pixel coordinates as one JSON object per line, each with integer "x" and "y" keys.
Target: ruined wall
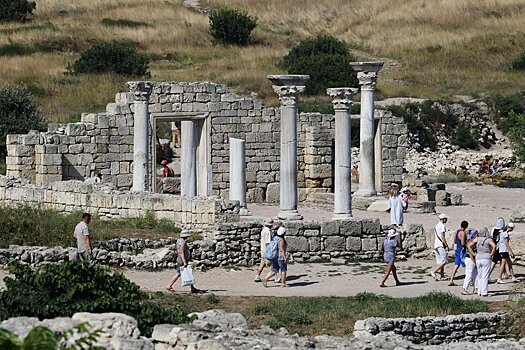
{"x": 103, "y": 143}
{"x": 71, "y": 196}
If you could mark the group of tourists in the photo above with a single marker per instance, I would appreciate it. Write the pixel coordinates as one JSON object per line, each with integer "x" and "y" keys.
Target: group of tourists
{"x": 478, "y": 251}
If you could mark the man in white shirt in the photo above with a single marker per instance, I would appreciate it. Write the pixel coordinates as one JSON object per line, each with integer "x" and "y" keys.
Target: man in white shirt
{"x": 83, "y": 237}
{"x": 266, "y": 237}
{"x": 440, "y": 248}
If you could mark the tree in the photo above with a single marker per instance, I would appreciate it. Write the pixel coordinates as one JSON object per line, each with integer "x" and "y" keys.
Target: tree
{"x": 326, "y": 59}
{"x": 229, "y": 26}
{"x": 19, "y": 113}
{"x": 15, "y": 10}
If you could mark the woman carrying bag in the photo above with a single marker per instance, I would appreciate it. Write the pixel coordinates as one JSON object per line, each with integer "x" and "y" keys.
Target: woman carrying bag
{"x": 183, "y": 259}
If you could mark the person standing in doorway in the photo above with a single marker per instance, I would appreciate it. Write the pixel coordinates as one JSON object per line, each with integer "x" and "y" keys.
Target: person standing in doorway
{"x": 166, "y": 170}
{"x": 461, "y": 250}
{"x": 395, "y": 203}
{"x": 390, "y": 245}
{"x": 440, "y": 248}
{"x": 266, "y": 237}
{"x": 83, "y": 236}
{"x": 175, "y": 134}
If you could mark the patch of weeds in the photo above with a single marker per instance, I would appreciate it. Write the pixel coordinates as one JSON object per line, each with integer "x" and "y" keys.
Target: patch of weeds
{"x": 14, "y": 49}
{"x": 108, "y": 22}
{"x": 27, "y": 28}
{"x": 213, "y": 299}
{"x": 261, "y": 309}
{"x": 3, "y": 168}
{"x": 450, "y": 178}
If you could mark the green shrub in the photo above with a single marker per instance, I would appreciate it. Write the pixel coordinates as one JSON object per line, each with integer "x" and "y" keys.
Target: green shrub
{"x": 18, "y": 114}
{"x": 14, "y": 49}
{"x": 326, "y": 59}
{"x": 15, "y": 10}
{"x": 113, "y": 57}
{"x": 519, "y": 63}
{"x": 517, "y": 135}
{"x": 503, "y": 105}
{"x": 108, "y": 22}
{"x": 463, "y": 137}
{"x": 60, "y": 290}
{"x": 228, "y": 26}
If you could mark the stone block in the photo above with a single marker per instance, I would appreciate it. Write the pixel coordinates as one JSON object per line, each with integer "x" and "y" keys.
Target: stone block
{"x": 437, "y": 186}
{"x": 456, "y": 199}
{"x": 20, "y": 150}
{"x": 350, "y": 227}
{"x": 50, "y": 159}
{"x": 75, "y": 129}
{"x": 272, "y": 192}
{"x": 297, "y": 244}
{"x": 334, "y": 243}
{"x": 369, "y": 244}
{"x": 329, "y": 228}
{"x": 314, "y": 244}
{"x": 353, "y": 244}
{"x": 371, "y": 226}
{"x": 442, "y": 198}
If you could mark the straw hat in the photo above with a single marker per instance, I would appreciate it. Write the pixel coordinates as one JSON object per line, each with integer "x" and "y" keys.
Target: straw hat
{"x": 268, "y": 222}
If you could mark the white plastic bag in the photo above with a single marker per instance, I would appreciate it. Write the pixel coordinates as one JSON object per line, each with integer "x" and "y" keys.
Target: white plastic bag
{"x": 186, "y": 276}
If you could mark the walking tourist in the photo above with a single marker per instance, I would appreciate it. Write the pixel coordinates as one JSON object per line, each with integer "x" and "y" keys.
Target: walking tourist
{"x": 183, "y": 259}
{"x": 280, "y": 262}
{"x": 485, "y": 250}
{"x": 82, "y": 234}
{"x": 390, "y": 245}
{"x": 395, "y": 203}
{"x": 266, "y": 237}
{"x": 461, "y": 250}
{"x": 440, "y": 248}
{"x": 405, "y": 194}
{"x": 506, "y": 253}
{"x": 471, "y": 271}
{"x": 495, "y": 234}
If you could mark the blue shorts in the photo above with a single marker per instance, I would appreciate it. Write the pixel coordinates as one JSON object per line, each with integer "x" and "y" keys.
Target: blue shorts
{"x": 278, "y": 264}
{"x": 459, "y": 258}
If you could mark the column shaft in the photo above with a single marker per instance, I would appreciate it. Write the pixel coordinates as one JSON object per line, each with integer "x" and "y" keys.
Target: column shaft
{"x": 238, "y": 173}
{"x": 343, "y": 165}
{"x": 288, "y": 186}
{"x": 188, "y": 161}
{"x": 366, "y": 144}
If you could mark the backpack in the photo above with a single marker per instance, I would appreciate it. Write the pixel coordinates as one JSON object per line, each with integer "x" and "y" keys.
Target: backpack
{"x": 271, "y": 249}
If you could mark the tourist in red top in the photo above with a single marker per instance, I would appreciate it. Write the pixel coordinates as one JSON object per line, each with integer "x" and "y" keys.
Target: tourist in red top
{"x": 166, "y": 171}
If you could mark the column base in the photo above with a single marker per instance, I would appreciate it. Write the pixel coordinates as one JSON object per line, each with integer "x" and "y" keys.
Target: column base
{"x": 342, "y": 216}
{"x": 245, "y": 212}
{"x": 365, "y": 193}
{"x": 289, "y": 215}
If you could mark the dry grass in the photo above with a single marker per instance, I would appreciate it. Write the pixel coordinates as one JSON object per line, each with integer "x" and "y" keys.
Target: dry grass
{"x": 433, "y": 49}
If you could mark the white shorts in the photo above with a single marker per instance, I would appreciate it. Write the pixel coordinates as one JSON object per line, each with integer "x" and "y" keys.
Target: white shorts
{"x": 441, "y": 255}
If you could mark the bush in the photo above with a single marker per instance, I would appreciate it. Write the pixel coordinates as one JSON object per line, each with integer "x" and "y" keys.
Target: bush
{"x": 15, "y": 10}
{"x": 503, "y": 105}
{"x": 229, "y": 26}
{"x": 327, "y": 61}
{"x": 113, "y": 57}
{"x": 463, "y": 137}
{"x": 61, "y": 290}
{"x": 519, "y": 63}
{"x": 108, "y": 22}
{"x": 517, "y": 135}
{"x": 18, "y": 114}
{"x": 14, "y": 49}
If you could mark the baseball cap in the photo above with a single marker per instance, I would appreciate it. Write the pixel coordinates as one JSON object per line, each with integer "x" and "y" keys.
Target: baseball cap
{"x": 511, "y": 224}
{"x": 392, "y": 233}
{"x": 443, "y": 216}
{"x": 281, "y": 231}
{"x": 184, "y": 234}
{"x": 164, "y": 162}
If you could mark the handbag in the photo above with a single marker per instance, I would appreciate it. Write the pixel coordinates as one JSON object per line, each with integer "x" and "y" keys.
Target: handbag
{"x": 187, "y": 278}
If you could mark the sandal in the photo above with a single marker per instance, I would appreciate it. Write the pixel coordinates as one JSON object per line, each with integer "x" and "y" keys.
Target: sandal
{"x": 465, "y": 292}
{"x": 284, "y": 286}
{"x": 382, "y": 286}
{"x": 452, "y": 284}
{"x": 170, "y": 289}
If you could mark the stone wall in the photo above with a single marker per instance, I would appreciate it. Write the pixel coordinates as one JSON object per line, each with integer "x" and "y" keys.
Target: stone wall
{"x": 216, "y": 329}
{"x": 71, "y": 196}
{"x": 434, "y": 330}
{"x": 103, "y": 142}
{"x": 308, "y": 241}
{"x": 394, "y": 147}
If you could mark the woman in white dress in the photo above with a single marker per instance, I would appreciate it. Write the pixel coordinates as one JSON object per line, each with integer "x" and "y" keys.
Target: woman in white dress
{"x": 395, "y": 203}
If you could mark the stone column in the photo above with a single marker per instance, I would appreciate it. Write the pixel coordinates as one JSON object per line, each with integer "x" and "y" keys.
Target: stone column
{"x": 188, "y": 159}
{"x": 288, "y": 88}
{"x": 367, "y": 74}
{"x": 141, "y": 91}
{"x": 342, "y": 102}
{"x": 238, "y": 174}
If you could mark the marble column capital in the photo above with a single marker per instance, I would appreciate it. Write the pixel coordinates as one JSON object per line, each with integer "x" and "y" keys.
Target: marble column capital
{"x": 288, "y": 94}
{"x": 367, "y": 80}
{"x": 342, "y": 97}
{"x": 140, "y": 89}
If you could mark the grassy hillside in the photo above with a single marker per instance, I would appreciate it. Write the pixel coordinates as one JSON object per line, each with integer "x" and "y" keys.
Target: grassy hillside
{"x": 433, "y": 49}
